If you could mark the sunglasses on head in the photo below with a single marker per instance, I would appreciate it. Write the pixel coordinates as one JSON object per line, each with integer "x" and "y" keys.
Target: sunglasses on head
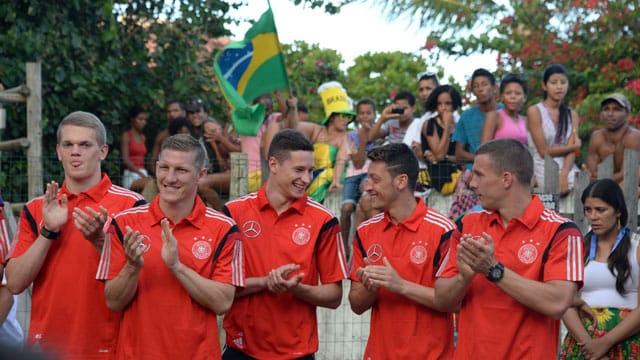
{"x": 426, "y": 75}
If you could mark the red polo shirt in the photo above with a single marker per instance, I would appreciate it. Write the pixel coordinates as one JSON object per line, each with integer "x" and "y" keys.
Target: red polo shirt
{"x": 401, "y": 328}
{"x": 541, "y": 245}
{"x": 69, "y": 314}
{"x": 163, "y": 321}
{"x": 265, "y": 325}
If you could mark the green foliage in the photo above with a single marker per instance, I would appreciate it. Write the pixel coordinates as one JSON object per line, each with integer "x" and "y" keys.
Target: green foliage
{"x": 380, "y": 76}
{"x": 105, "y": 56}
{"x": 308, "y": 67}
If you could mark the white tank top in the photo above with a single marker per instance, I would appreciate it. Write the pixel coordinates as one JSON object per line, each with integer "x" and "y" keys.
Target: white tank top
{"x": 599, "y": 288}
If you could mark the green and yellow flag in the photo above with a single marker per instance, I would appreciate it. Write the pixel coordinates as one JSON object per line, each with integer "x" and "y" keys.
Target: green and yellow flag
{"x": 249, "y": 68}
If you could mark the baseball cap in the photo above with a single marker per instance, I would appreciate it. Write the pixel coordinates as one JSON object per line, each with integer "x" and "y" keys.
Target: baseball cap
{"x": 620, "y": 99}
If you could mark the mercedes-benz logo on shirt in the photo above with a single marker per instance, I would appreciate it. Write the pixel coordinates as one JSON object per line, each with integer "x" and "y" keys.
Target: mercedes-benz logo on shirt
{"x": 251, "y": 228}
{"x": 374, "y": 253}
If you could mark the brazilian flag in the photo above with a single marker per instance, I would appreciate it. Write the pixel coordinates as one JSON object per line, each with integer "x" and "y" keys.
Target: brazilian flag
{"x": 249, "y": 68}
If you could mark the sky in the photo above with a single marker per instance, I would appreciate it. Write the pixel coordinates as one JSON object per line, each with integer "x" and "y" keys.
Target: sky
{"x": 359, "y": 28}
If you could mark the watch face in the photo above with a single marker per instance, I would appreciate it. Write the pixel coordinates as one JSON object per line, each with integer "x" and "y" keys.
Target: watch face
{"x": 495, "y": 273}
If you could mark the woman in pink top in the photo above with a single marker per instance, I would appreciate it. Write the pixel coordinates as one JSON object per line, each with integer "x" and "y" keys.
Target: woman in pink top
{"x": 507, "y": 122}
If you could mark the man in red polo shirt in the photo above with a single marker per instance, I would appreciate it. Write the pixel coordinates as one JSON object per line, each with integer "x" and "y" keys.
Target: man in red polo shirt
{"x": 512, "y": 269}
{"x": 174, "y": 264}
{"x": 69, "y": 316}
{"x": 396, "y": 256}
{"x": 294, "y": 259}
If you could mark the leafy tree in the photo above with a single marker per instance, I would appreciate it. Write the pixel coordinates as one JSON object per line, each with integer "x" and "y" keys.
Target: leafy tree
{"x": 104, "y": 56}
{"x": 380, "y": 76}
{"x": 308, "y": 67}
{"x": 597, "y": 41}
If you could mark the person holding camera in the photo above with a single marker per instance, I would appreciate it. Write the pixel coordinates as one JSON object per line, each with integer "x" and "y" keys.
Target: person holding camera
{"x": 395, "y": 119}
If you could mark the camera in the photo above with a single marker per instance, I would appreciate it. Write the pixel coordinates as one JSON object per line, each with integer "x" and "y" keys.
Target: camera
{"x": 399, "y": 110}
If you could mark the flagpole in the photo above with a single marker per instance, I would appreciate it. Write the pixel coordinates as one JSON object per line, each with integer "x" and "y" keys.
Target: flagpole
{"x": 284, "y": 60}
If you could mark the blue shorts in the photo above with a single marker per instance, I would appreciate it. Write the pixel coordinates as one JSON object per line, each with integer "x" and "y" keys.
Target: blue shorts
{"x": 351, "y": 191}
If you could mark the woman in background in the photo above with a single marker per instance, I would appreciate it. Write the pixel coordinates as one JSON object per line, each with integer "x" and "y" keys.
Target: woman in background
{"x": 133, "y": 150}
{"x": 507, "y": 122}
{"x": 610, "y": 281}
{"x": 553, "y": 129}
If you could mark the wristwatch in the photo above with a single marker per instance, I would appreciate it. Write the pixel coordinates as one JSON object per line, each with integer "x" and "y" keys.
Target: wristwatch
{"x": 51, "y": 235}
{"x": 496, "y": 272}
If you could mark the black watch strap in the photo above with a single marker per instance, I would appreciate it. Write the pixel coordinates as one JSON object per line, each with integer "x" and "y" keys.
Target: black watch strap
{"x": 51, "y": 235}
{"x": 496, "y": 272}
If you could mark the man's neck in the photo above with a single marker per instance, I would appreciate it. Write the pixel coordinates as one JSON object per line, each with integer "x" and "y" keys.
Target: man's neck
{"x": 404, "y": 125}
{"x": 615, "y": 135}
{"x": 176, "y": 211}
{"x": 490, "y": 105}
{"x": 77, "y": 186}
{"x": 402, "y": 208}
{"x": 277, "y": 200}
{"x": 515, "y": 206}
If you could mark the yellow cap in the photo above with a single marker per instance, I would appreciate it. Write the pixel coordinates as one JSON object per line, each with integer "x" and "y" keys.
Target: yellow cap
{"x": 335, "y": 100}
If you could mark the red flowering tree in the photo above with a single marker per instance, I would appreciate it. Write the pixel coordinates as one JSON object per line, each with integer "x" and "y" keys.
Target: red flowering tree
{"x": 597, "y": 41}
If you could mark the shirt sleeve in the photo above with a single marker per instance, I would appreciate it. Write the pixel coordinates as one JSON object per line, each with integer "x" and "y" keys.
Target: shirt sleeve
{"x": 332, "y": 265}
{"x": 228, "y": 259}
{"x": 448, "y": 266}
{"x": 27, "y": 233}
{"x": 459, "y": 134}
{"x": 5, "y": 243}
{"x": 357, "y": 258}
{"x": 563, "y": 259}
{"x": 112, "y": 258}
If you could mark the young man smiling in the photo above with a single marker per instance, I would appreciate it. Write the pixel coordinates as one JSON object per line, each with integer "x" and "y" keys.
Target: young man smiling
{"x": 294, "y": 259}
{"x": 396, "y": 256}
{"x": 173, "y": 265}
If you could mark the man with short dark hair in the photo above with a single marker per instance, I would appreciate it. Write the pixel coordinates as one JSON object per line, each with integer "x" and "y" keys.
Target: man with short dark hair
{"x": 175, "y": 110}
{"x": 396, "y": 256}
{"x": 513, "y": 268}
{"x": 294, "y": 259}
{"x": 69, "y": 315}
{"x": 395, "y": 119}
{"x": 614, "y": 138}
{"x": 172, "y": 265}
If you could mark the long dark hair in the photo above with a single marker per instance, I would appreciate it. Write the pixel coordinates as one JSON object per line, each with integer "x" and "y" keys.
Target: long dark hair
{"x": 609, "y": 191}
{"x": 564, "y": 110}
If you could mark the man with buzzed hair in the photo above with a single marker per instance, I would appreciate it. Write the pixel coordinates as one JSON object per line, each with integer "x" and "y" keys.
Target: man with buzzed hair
{"x": 69, "y": 315}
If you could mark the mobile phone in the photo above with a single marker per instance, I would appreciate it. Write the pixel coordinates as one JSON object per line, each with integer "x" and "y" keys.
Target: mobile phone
{"x": 399, "y": 110}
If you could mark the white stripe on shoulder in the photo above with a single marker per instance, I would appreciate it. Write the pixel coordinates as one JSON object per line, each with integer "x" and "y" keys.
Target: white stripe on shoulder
{"x": 439, "y": 219}
{"x": 214, "y": 214}
{"x": 552, "y": 216}
{"x": 115, "y": 189}
{"x": 35, "y": 199}
{"x": 134, "y": 210}
{"x": 376, "y": 218}
{"x": 243, "y": 198}
{"x": 317, "y": 205}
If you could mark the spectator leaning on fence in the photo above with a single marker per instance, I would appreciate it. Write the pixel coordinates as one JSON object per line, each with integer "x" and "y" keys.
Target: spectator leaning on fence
{"x": 58, "y": 246}
{"x": 615, "y": 138}
{"x": 11, "y": 336}
{"x": 396, "y": 255}
{"x": 172, "y": 265}
{"x": 294, "y": 260}
{"x": 512, "y": 269}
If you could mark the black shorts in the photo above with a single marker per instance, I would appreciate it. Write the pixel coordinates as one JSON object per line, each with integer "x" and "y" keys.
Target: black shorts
{"x": 229, "y": 353}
